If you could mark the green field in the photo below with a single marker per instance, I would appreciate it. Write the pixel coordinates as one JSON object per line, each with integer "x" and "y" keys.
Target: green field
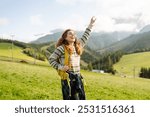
{"x": 35, "y": 82}
{"x": 24, "y": 81}
{"x": 130, "y": 65}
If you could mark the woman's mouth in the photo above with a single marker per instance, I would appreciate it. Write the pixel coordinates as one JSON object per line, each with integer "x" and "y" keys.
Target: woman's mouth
{"x": 72, "y": 38}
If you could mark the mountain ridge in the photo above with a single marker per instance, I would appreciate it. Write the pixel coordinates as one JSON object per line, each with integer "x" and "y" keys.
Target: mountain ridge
{"x": 130, "y": 44}
{"x": 97, "y": 40}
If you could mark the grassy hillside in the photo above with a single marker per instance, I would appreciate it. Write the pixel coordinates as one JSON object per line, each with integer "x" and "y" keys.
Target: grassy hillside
{"x": 6, "y": 53}
{"x": 24, "y": 81}
{"x": 130, "y": 64}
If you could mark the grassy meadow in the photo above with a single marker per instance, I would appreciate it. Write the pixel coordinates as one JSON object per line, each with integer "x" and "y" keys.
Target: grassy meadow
{"x": 24, "y": 81}
{"x": 21, "y": 81}
{"x": 130, "y": 64}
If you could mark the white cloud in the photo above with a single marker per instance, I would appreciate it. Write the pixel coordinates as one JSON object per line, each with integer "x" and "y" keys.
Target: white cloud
{"x": 109, "y": 24}
{"x": 4, "y": 21}
{"x": 74, "y": 21}
{"x": 66, "y": 2}
{"x": 125, "y": 27}
{"x": 36, "y": 20}
{"x": 104, "y": 23}
{"x": 73, "y": 2}
{"x": 132, "y": 14}
{"x": 112, "y": 15}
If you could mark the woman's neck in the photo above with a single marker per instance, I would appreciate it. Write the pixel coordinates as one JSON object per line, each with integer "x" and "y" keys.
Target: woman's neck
{"x": 71, "y": 43}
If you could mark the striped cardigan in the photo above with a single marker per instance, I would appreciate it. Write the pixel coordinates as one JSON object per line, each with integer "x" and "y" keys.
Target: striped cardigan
{"x": 56, "y": 59}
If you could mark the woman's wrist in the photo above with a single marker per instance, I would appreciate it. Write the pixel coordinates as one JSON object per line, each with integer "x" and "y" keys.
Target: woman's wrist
{"x": 90, "y": 26}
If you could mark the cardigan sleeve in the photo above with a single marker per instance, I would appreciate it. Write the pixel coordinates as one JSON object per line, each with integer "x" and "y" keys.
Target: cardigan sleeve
{"x": 85, "y": 37}
{"x": 54, "y": 58}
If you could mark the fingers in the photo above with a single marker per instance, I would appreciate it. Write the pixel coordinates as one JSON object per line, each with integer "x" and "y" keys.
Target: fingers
{"x": 93, "y": 19}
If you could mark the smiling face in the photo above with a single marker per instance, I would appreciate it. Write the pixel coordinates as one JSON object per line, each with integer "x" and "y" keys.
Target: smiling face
{"x": 71, "y": 37}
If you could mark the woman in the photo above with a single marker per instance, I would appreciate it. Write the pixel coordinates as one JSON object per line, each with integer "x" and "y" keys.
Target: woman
{"x": 66, "y": 59}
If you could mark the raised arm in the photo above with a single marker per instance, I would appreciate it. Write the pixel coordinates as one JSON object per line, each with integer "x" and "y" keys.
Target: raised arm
{"x": 86, "y": 34}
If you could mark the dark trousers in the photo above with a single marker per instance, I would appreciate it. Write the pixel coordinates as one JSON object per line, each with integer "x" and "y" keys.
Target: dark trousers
{"x": 73, "y": 90}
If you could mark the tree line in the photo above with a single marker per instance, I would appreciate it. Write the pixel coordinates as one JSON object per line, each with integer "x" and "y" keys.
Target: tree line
{"x": 17, "y": 43}
{"x": 106, "y": 62}
{"x": 34, "y": 53}
{"x": 144, "y": 73}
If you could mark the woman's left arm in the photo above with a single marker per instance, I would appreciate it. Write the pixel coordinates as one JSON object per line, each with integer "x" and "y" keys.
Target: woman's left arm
{"x": 86, "y": 34}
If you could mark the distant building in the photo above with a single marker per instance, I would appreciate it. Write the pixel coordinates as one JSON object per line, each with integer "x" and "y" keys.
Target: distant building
{"x": 98, "y": 71}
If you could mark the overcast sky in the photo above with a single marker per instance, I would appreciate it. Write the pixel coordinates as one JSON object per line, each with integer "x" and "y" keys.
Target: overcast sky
{"x": 29, "y": 19}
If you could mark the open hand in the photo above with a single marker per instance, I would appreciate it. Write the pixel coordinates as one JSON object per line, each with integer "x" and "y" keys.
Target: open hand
{"x": 93, "y": 19}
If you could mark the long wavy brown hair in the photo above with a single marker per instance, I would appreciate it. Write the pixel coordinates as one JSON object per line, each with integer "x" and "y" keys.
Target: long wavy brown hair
{"x": 63, "y": 41}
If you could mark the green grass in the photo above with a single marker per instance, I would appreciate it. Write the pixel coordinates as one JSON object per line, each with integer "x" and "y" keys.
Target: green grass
{"x": 27, "y": 81}
{"x": 24, "y": 81}
{"x": 6, "y": 52}
{"x": 132, "y": 63}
